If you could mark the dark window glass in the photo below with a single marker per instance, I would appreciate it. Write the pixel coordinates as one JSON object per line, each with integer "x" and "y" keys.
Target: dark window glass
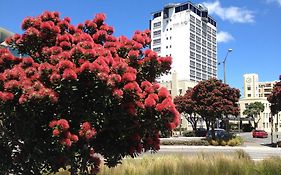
{"x": 155, "y": 15}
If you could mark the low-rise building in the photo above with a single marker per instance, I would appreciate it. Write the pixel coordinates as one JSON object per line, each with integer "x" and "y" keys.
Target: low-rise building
{"x": 255, "y": 91}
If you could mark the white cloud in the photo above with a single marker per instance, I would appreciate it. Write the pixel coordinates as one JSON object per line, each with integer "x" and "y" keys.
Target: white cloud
{"x": 232, "y": 14}
{"x": 278, "y": 1}
{"x": 223, "y": 37}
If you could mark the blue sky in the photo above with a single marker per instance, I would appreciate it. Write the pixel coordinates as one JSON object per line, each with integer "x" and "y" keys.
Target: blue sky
{"x": 252, "y": 28}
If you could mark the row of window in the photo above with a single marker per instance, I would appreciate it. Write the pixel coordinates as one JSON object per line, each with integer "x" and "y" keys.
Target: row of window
{"x": 195, "y": 10}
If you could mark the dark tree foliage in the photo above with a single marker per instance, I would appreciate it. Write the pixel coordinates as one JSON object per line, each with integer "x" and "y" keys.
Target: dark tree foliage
{"x": 215, "y": 99}
{"x": 275, "y": 98}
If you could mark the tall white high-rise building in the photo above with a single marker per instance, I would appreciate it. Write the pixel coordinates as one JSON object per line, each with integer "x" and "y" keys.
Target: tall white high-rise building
{"x": 188, "y": 34}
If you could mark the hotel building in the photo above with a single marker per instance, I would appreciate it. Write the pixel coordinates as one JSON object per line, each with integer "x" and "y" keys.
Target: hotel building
{"x": 188, "y": 34}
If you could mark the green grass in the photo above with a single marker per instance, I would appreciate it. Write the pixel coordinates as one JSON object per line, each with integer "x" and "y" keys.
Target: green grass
{"x": 238, "y": 163}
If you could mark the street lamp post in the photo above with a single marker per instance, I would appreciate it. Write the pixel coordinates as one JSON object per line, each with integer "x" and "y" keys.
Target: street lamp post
{"x": 224, "y": 65}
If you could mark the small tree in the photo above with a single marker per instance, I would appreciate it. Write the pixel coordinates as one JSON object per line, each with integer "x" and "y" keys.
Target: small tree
{"x": 80, "y": 92}
{"x": 187, "y": 107}
{"x": 215, "y": 99}
{"x": 254, "y": 110}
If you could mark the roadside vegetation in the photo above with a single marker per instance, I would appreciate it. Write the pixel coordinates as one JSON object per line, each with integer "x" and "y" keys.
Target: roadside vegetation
{"x": 203, "y": 164}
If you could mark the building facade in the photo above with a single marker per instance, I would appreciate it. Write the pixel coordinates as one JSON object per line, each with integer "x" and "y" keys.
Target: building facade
{"x": 255, "y": 91}
{"x": 188, "y": 34}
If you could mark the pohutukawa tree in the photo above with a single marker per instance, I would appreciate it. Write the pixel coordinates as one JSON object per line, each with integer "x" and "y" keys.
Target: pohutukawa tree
{"x": 80, "y": 92}
{"x": 275, "y": 98}
{"x": 187, "y": 107}
{"x": 215, "y": 99}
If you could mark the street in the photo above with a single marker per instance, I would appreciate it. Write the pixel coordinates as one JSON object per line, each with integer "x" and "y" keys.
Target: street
{"x": 257, "y": 148}
{"x": 255, "y": 152}
{"x": 248, "y": 138}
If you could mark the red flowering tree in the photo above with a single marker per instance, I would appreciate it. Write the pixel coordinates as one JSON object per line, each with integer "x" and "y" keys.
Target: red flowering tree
{"x": 187, "y": 107}
{"x": 215, "y": 99}
{"x": 275, "y": 98}
{"x": 81, "y": 92}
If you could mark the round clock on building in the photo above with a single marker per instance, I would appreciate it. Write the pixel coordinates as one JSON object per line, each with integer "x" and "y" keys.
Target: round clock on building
{"x": 248, "y": 80}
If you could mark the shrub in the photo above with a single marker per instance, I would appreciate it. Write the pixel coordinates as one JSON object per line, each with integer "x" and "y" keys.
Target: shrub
{"x": 223, "y": 143}
{"x": 185, "y": 142}
{"x": 188, "y": 134}
{"x": 214, "y": 142}
{"x": 232, "y": 142}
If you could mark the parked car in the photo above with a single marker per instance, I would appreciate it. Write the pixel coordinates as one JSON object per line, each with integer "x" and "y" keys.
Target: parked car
{"x": 200, "y": 132}
{"x": 260, "y": 133}
{"x": 219, "y": 134}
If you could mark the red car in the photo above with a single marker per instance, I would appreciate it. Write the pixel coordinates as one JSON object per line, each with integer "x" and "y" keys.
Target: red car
{"x": 260, "y": 133}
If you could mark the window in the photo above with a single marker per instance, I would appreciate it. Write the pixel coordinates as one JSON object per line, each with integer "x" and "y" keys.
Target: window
{"x": 204, "y": 76}
{"x": 192, "y": 27}
{"x": 157, "y": 33}
{"x": 192, "y": 18}
{"x": 192, "y": 72}
{"x": 192, "y": 54}
{"x": 203, "y": 42}
{"x": 192, "y": 45}
{"x": 248, "y": 88}
{"x": 204, "y": 51}
{"x": 198, "y": 22}
{"x": 204, "y": 59}
{"x": 155, "y": 15}
{"x": 198, "y": 48}
{"x": 198, "y": 31}
{"x": 249, "y": 95}
{"x": 157, "y": 25}
{"x": 192, "y": 36}
{"x": 192, "y": 63}
{"x": 181, "y": 8}
{"x": 156, "y": 41}
{"x": 157, "y": 49}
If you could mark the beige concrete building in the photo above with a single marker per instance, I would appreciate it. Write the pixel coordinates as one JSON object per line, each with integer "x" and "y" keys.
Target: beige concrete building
{"x": 255, "y": 91}
{"x": 179, "y": 87}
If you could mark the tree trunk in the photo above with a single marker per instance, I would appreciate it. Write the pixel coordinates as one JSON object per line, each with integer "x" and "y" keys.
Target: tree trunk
{"x": 207, "y": 124}
{"x": 194, "y": 126}
{"x": 213, "y": 131}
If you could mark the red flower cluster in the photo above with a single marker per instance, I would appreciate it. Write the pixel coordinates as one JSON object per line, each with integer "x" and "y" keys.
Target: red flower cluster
{"x": 86, "y": 131}
{"x": 60, "y": 129}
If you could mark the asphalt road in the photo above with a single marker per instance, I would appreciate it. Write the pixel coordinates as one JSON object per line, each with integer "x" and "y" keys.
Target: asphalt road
{"x": 257, "y": 148}
{"x": 248, "y": 138}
